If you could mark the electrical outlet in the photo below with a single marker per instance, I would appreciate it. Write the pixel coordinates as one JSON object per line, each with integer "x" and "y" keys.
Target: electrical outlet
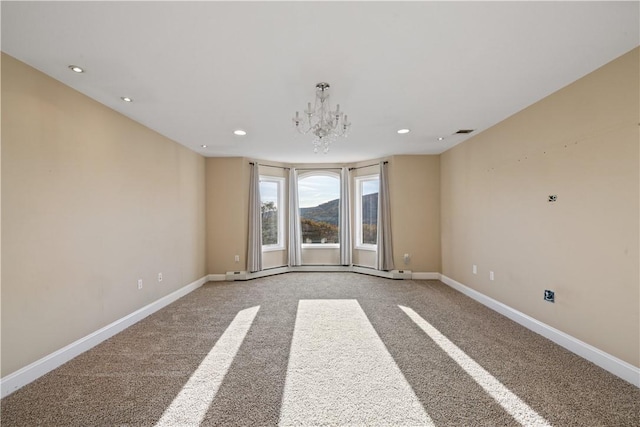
{"x": 549, "y": 296}
{"x": 159, "y": 277}
{"x": 139, "y": 283}
{"x": 475, "y": 269}
{"x": 237, "y": 258}
{"x": 407, "y": 258}
{"x": 491, "y": 275}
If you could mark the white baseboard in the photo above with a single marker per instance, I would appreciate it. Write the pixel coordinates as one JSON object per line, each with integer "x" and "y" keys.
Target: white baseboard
{"x": 425, "y": 276}
{"x": 216, "y": 278}
{"x": 233, "y": 276}
{"x": 35, "y": 370}
{"x": 616, "y": 366}
{"x": 393, "y": 274}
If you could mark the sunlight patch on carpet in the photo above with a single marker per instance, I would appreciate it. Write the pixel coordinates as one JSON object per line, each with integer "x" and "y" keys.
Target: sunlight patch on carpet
{"x": 341, "y": 373}
{"x": 191, "y": 404}
{"x": 511, "y": 403}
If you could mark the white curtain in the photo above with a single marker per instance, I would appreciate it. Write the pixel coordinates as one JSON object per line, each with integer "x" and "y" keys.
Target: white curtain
{"x": 254, "y": 254}
{"x": 345, "y": 217}
{"x": 295, "y": 234}
{"x": 385, "y": 247}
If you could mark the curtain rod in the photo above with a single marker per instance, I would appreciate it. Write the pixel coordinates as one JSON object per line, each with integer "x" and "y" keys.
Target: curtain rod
{"x": 315, "y": 169}
{"x": 269, "y": 166}
{"x": 312, "y": 169}
{"x": 368, "y": 166}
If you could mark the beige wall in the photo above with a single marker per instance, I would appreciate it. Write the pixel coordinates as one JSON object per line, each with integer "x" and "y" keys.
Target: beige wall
{"x": 414, "y": 192}
{"x": 227, "y": 188}
{"x": 580, "y": 144}
{"x": 91, "y": 202}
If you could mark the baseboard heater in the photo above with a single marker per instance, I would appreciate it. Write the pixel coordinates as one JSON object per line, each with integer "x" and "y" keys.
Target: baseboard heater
{"x": 232, "y": 276}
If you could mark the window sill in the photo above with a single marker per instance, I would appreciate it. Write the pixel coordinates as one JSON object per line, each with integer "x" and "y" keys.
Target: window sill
{"x": 272, "y": 248}
{"x": 321, "y": 246}
{"x": 371, "y": 248}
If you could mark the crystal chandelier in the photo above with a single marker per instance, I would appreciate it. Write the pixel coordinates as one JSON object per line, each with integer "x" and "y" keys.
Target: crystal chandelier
{"x": 325, "y": 125}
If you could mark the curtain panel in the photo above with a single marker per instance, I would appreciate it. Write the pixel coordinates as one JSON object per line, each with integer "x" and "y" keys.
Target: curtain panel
{"x": 345, "y": 217}
{"x": 295, "y": 234}
{"x": 254, "y": 252}
{"x": 385, "y": 246}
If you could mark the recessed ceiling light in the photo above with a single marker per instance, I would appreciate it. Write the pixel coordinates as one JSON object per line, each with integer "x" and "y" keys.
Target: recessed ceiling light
{"x": 239, "y": 132}
{"x": 401, "y": 131}
{"x": 126, "y": 99}
{"x": 76, "y": 69}
{"x": 440, "y": 138}
{"x": 203, "y": 146}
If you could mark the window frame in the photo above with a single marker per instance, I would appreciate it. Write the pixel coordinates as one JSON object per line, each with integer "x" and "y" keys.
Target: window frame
{"x": 279, "y": 181}
{"x": 359, "y": 184}
{"x": 320, "y": 172}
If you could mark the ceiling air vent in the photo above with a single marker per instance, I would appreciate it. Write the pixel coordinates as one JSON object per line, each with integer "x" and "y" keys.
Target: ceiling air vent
{"x": 464, "y": 131}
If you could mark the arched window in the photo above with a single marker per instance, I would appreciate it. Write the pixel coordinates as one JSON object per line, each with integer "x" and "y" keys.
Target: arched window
{"x": 319, "y": 198}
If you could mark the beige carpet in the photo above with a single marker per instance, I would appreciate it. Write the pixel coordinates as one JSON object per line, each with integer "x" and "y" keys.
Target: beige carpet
{"x": 325, "y": 349}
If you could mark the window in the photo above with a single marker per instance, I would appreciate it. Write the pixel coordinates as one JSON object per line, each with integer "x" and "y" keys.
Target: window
{"x": 272, "y": 209}
{"x": 319, "y": 197}
{"x": 366, "y": 211}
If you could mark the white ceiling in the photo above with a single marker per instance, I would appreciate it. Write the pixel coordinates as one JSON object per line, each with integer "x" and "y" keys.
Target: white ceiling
{"x": 199, "y": 70}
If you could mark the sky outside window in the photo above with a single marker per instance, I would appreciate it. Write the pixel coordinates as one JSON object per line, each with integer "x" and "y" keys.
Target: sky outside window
{"x": 370, "y": 187}
{"x": 269, "y": 192}
{"x": 318, "y": 189}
